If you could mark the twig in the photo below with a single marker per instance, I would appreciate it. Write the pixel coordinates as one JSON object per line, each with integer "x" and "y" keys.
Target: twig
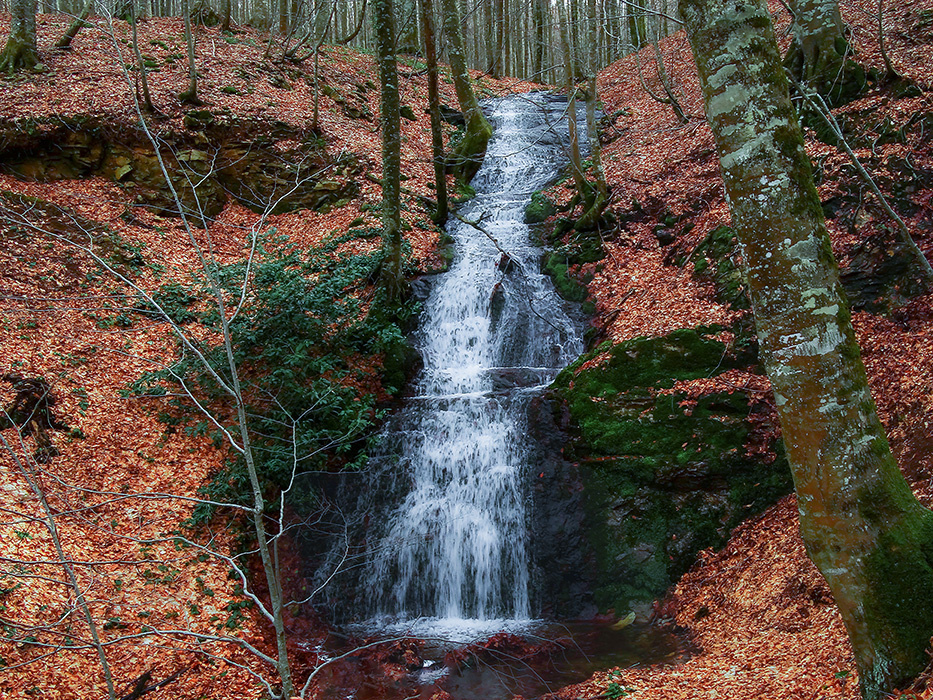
{"x": 142, "y": 685}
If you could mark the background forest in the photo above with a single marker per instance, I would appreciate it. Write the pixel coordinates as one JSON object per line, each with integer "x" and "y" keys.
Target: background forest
{"x": 212, "y": 220}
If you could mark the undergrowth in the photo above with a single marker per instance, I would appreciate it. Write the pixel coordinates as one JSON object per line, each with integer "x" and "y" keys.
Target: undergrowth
{"x": 308, "y": 344}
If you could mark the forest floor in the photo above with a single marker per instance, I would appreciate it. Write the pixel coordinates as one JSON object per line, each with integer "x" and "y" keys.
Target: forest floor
{"x": 758, "y": 613}
{"x": 60, "y": 320}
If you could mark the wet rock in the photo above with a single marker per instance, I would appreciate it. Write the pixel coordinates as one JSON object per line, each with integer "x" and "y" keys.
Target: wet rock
{"x": 496, "y": 306}
{"x": 564, "y": 563}
{"x": 506, "y": 263}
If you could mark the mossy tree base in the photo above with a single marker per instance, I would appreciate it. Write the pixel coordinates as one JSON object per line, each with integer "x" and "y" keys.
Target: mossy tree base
{"x": 593, "y": 208}
{"x": 18, "y": 55}
{"x": 820, "y": 55}
{"x": 190, "y": 97}
{"x": 469, "y": 153}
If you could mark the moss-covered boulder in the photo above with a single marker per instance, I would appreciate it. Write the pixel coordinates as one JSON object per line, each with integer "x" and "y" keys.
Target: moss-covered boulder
{"x": 539, "y": 209}
{"x": 666, "y": 473}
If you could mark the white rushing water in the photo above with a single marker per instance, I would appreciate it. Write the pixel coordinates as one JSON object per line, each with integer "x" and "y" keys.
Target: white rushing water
{"x": 454, "y": 549}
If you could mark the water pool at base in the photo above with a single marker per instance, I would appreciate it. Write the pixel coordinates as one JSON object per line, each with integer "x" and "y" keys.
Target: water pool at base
{"x": 531, "y": 658}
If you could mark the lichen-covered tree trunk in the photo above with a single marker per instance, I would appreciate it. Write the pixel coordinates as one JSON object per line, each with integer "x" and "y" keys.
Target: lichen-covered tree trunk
{"x": 21, "y": 50}
{"x": 384, "y": 25}
{"x": 862, "y": 526}
{"x": 818, "y": 48}
{"x": 472, "y": 147}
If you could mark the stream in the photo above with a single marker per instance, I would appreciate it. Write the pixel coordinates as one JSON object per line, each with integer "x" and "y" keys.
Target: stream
{"x": 446, "y": 504}
{"x": 453, "y": 550}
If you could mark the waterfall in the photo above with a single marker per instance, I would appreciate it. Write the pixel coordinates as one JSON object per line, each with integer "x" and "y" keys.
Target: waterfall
{"x": 455, "y": 543}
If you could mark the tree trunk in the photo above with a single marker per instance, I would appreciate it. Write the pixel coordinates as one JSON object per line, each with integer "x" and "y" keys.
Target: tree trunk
{"x": 594, "y": 211}
{"x": 384, "y": 21}
{"x": 190, "y": 96}
{"x": 818, "y": 48}
{"x": 21, "y": 50}
{"x": 497, "y": 38}
{"x": 76, "y": 26}
{"x": 434, "y": 105}
{"x": 472, "y": 147}
{"x": 862, "y": 526}
{"x": 584, "y": 190}
{"x": 140, "y": 64}
{"x": 538, "y": 52}
{"x": 637, "y": 25}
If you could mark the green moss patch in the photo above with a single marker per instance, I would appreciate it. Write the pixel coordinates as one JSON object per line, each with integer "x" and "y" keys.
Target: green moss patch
{"x": 666, "y": 474}
{"x": 539, "y": 209}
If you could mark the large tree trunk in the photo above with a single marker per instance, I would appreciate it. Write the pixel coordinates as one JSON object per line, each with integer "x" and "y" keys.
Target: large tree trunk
{"x": 384, "y": 21}
{"x": 862, "y": 526}
{"x": 472, "y": 147}
{"x": 20, "y": 50}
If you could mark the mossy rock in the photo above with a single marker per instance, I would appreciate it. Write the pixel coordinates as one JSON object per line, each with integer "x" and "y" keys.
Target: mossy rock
{"x": 556, "y": 265}
{"x": 539, "y": 209}
{"x": 665, "y": 474}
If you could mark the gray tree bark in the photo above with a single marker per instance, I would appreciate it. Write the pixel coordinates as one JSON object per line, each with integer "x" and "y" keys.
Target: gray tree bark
{"x": 861, "y": 524}
{"x": 384, "y": 21}
{"x": 819, "y": 47}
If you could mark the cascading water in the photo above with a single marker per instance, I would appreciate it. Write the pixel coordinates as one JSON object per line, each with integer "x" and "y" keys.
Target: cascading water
{"x": 494, "y": 333}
